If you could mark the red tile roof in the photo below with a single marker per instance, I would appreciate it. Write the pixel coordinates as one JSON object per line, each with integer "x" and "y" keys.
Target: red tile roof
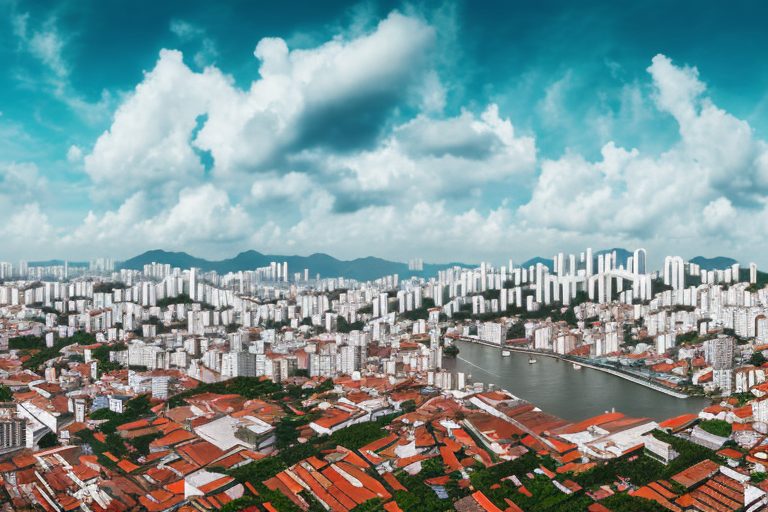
{"x": 696, "y": 473}
{"x": 201, "y": 453}
{"x": 393, "y": 482}
{"x": 484, "y": 502}
{"x": 678, "y": 421}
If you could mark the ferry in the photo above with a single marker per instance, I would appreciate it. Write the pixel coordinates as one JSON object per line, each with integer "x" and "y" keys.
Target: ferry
{"x": 576, "y": 366}
{"x": 506, "y": 353}
{"x": 531, "y": 360}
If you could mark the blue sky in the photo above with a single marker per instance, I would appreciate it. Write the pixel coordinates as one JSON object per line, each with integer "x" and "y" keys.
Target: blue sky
{"x": 450, "y": 131}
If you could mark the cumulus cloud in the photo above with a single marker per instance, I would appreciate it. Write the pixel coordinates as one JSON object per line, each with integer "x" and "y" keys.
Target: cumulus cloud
{"x": 202, "y": 216}
{"x": 725, "y": 147}
{"x": 431, "y": 156}
{"x": 149, "y": 143}
{"x": 27, "y": 225}
{"x": 319, "y": 154}
{"x": 336, "y": 96}
{"x": 293, "y": 185}
{"x": 704, "y": 185}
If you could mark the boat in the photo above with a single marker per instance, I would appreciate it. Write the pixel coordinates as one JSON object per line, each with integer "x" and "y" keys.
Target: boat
{"x": 531, "y": 360}
{"x": 506, "y": 353}
{"x": 576, "y": 366}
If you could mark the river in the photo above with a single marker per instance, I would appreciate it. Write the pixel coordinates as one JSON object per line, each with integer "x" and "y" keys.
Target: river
{"x": 557, "y": 388}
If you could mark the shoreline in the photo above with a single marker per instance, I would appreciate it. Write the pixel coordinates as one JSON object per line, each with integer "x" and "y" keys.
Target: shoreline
{"x": 615, "y": 373}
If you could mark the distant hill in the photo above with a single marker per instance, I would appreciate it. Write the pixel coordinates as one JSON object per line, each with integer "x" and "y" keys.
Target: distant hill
{"x": 362, "y": 269}
{"x": 621, "y": 258}
{"x": 622, "y": 255}
{"x": 56, "y": 263}
{"x": 547, "y": 262}
{"x": 716, "y": 263}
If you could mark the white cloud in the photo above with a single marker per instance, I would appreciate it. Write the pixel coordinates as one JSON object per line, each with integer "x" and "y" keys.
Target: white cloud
{"x": 677, "y": 88}
{"x": 724, "y": 147}
{"x": 336, "y": 95}
{"x": 311, "y": 158}
{"x": 47, "y": 45}
{"x": 187, "y": 32}
{"x": 74, "y": 154}
{"x": 28, "y": 227}
{"x": 709, "y": 184}
{"x": 29, "y": 222}
{"x": 293, "y": 185}
{"x": 552, "y": 106}
{"x": 433, "y": 94}
{"x": 20, "y": 180}
{"x": 305, "y": 98}
{"x": 430, "y": 157}
{"x": 202, "y": 217}
{"x": 148, "y": 145}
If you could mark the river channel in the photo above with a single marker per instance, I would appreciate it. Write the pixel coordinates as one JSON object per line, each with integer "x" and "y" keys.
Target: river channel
{"x": 557, "y": 388}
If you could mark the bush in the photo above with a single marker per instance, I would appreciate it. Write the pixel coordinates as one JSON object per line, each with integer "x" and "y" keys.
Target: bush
{"x": 716, "y": 427}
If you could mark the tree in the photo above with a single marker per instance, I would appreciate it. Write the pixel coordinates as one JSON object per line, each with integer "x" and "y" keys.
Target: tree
{"x": 49, "y": 440}
{"x": 343, "y": 326}
{"x": 688, "y": 337}
{"x": 516, "y": 331}
{"x": 374, "y": 505}
{"x": 83, "y": 338}
{"x": 6, "y": 395}
{"x": 570, "y": 317}
{"x": 408, "y": 406}
{"x": 451, "y": 351}
{"x": 240, "y": 504}
{"x": 757, "y": 359}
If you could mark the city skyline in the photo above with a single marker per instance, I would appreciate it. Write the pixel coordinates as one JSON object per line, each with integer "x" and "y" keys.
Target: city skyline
{"x": 383, "y": 256}
{"x": 396, "y": 130}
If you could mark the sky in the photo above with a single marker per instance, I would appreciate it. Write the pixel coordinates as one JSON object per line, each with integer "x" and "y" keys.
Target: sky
{"x": 450, "y": 131}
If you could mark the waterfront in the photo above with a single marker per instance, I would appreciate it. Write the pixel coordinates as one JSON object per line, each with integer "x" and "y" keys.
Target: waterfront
{"x": 556, "y": 387}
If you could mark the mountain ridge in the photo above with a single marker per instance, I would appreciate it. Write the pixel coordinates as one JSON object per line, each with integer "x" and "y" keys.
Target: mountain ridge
{"x": 363, "y": 268}
{"x": 713, "y": 263}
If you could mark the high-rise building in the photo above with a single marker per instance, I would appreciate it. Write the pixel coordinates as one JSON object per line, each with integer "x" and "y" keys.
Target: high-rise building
{"x": 718, "y": 352}
{"x": 193, "y": 283}
{"x": 13, "y": 429}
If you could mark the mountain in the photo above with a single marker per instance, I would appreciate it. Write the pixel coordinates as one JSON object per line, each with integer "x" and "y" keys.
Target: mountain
{"x": 549, "y": 263}
{"x": 622, "y": 255}
{"x": 362, "y": 269}
{"x": 56, "y": 263}
{"x": 716, "y": 263}
{"x": 621, "y": 258}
